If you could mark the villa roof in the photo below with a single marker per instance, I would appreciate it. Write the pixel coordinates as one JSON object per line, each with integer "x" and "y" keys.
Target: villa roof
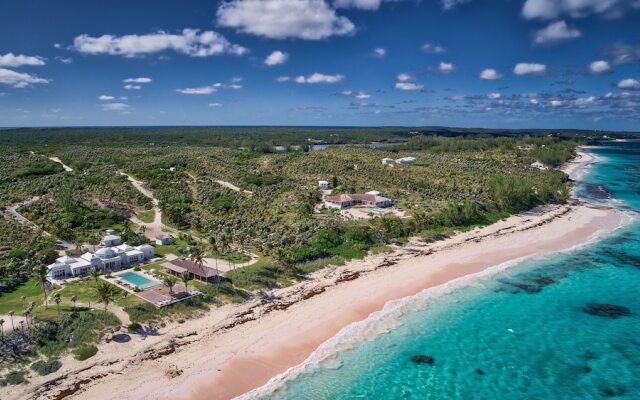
{"x": 164, "y": 237}
{"x": 341, "y": 198}
{"x": 111, "y": 237}
{"x": 180, "y": 265}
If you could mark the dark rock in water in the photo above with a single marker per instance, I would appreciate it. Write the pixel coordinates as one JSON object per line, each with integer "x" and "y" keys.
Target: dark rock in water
{"x": 586, "y": 369}
{"x": 588, "y": 355}
{"x": 527, "y": 287}
{"x": 479, "y": 371}
{"x": 607, "y": 310}
{"x": 422, "y": 359}
{"x": 613, "y": 391}
{"x": 545, "y": 281}
{"x": 630, "y": 260}
{"x": 598, "y": 192}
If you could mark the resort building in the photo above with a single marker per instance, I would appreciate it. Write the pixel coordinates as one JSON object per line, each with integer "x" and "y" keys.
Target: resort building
{"x": 388, "y": 161}
{"x": 406, "y": 160}
{"x": 104, "y": 259}
{"x": 163, "y": 240}
{"x": 111, "y": 239}
{"x": 199, "y": 272}
{"x": 349, "y": 200}
{"x": 324, "y": 185}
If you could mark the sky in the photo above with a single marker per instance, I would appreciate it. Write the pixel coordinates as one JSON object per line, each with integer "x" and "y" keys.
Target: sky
{"x": 465, "y": 63}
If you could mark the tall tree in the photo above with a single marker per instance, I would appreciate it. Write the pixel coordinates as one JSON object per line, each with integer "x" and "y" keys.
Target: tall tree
{"x": 170, "y": 282}
{"x": 74, "y": 298}
{"x": 197, "y": 255}
{"x": 58, "y": 300}
{"x": 106, "y": 294}
{"x": 95, "y": 274}
{"x": 185, "y": 277}
{"x": 40, "y": 271}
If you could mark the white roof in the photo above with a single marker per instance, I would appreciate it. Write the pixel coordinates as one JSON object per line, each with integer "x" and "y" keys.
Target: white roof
{"x": 89, "y": 256}
{"x": 66, "y": 260}
{"x": 124, "y": 247}
{"x": 80, "y": 264}
{"x": 106, "y": 252}
{"x": 143, "y": 246}
{"x": 323, "y": 182}
{"x": 134, "y": 253}
{"x": 56, "y": 265}
{"x": 111, "y": 237}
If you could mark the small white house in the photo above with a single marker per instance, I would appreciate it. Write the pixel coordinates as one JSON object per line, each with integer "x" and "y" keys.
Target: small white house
{"x": 538, "y": 165}
{"x": 388, "y": 161}
{"x": 324, "y": 185}
{"x": 163, "y": 240}
{"x": 406, "y": 160}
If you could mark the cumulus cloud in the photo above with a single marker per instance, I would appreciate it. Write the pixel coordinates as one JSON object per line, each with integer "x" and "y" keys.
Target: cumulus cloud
{"x": 132, "y": 87}
{"x": 451, "y": 4}
{"x": 114, "y": 106}
{"x": 190, "y": 42}
{"x": 319, "y": 78}
{"x": 143, "y": 79}
{"x": 282, "y": 19}
{"x": 64, "y": 60}
{"x": 409, "y": 86}
{"x": 18, "y": 79}
{"x": 550, "y": 9}
{"x": 356, "y": 95}
{"x": 361, "y": 4}
{"x": 530, "y": 69}
{"x": 215, "y": 105}
{"x": 629, "y": 84}
{"x": 283, "y": 79}
{"x": 199, "y": 90}
{"x": 490, "y": 74}
{"x": 106, "y": 98}
{"x": 276, "y": 58}
{"x": 494, "y": 95}
{"x": 432, "y": 48}
{"x": 404, "y": 77}
{"x": 599, "y": 67}
{"x": 446, "y": 68}
{"x": 621, "y": 53}
{"x": 19, "y": 60}
{"x": 380, "y": 52}
{"x": 555, "y": 32}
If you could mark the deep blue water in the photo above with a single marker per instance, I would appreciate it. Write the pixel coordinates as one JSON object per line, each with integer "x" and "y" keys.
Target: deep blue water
{"x": 522, "y": 334}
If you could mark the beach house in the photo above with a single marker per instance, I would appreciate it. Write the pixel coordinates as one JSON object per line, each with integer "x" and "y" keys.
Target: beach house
{"x": 163, "y": 240}
{"x": 324, "y": 185}
{"x": 356, "y": 199}
{"x": 111, "y": 239}
{"x": 196, "y": 271}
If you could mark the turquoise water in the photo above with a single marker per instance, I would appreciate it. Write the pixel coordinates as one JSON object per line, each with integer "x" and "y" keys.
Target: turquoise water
{"x": 522, "y": 334}
{"x": 137, "y": 279}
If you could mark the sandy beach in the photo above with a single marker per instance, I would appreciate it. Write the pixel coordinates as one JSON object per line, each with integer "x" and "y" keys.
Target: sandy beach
{"x": 235, "y": 349}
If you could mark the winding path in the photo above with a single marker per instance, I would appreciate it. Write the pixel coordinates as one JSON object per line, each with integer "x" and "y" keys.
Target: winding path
{"x": 65, "y": 166}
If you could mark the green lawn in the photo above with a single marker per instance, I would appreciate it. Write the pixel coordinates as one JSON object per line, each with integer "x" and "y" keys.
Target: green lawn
{"x": 85, "y": 291}
{"x": 147, "y": 216}
{"x": 12, "y": 301}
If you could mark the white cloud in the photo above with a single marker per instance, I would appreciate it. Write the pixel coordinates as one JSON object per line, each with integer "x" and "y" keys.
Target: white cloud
{"x": 550, "y": 9}
{"x": 432, "y": 48}
{"x": 281, "y": 19}
{"x": 235, "y": 86}
{"x": 283, "y": 79}
{"x": 236, "y": 79}
{"x": 629, "y": 84}
{"x": 451, "y": 4}
{"x": 494, "y": 95}
{"x": 138, "y": 80}
{"x": 13, "y": 60}
{"x": 555, "y": 32}
{"x": 380, "y": 52}
{"x": 586, "y": 101}
{"x": 200, "y": 90}
{"x": 276, "y": 58}
{"x": 106, "y": 98}
{"x": 557, "y": 103}
{"x": 361, "y": 4}
{"x": 18, "y": 79}
{"x": 215, "y": 105}
{"x": 599, "y": 67}
{"x": 114, "y": 106}
{"x": 123, "y": 98}
{"x": 533, "y": 101}
{"x": 64, "y": 60}
{"x": 357, "y": 95}
{"x": 490, "y": 74}
{"x": 189, "y": 42}
{"x": 404, "y": 77}
{"x": 132, "y": 87}
{"x": 446, "y": 68}
{"x": 409, "y": 86}
{"x": 319, "y": 78}
{"x": 530, "y": 69}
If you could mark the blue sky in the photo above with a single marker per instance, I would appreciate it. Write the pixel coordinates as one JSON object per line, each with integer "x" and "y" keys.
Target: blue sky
{"x": 470, "y": 63}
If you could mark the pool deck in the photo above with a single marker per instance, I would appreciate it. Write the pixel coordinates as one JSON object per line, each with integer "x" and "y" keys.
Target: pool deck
{"x": 157, "y": 294}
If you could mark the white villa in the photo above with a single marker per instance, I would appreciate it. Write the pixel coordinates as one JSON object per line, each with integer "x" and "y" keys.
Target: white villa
{"x": 324, "y": 185}
{"x": 388, "y": 161}
{"x": 406, "y": 160}
{"x": 110, "y": 239}
{"x": 349, "y": 200}
{"x": 106, "y": 258}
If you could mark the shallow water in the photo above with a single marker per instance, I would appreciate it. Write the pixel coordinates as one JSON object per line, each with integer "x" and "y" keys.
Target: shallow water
{"x": 521, "y": 334}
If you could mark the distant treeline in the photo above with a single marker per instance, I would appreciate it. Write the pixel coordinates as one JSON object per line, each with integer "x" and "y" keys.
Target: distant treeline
{"x": 266, "y": 138}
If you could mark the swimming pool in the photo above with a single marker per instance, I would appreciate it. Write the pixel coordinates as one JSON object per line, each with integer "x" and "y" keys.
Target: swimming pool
{"x": 137, "y": 280}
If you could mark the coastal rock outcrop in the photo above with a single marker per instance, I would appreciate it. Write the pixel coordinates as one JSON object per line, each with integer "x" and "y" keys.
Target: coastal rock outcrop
{"x": 607, "y": 310}
{"x": 422, "y": 359}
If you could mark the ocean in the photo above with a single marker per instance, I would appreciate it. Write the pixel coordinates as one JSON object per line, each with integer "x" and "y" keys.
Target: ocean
{"x": 537, "y": 330}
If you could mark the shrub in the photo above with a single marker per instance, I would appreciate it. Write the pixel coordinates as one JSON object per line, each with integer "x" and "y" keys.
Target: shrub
{"x": 13, "y": 378}
{"x": 84, "y": 352}
{"x": 46, "y": 367}
{"x": 136, "y": 268}
{"x": 134, "y": 327}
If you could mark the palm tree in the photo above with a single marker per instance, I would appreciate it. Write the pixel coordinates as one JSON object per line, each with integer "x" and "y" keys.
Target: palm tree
{"x": 40, "y": 272}
{"x": 95, "y": 274}
{"x": 106, "y": 294}
{"x": 126, "y": 229}
{"x": 10, "y": 313}
{"x": 170, "y": 282}
{"x": 185, "y": 276}
{"x": 57, "y": 299}
{"x": 196, "y": 254}
{"x": 124, "y": 296}
{"x": 94, "y": 240}
{"x": 73, "y": 300}
{"x": 1, "y": 328}
{"x": 214, "y": 249}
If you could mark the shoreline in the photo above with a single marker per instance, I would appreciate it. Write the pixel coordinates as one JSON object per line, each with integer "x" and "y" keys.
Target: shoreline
{"x": 235, "y": 349}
